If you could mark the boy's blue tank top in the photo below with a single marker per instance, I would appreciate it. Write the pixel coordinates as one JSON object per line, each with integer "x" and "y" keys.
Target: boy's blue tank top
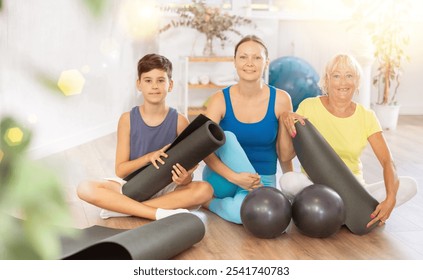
{"x": 145, "y": 139}
{"x": 257, "y": 139}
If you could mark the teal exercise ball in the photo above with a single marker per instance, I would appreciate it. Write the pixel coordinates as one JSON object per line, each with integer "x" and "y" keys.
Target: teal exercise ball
{"x": 296, "y": 76}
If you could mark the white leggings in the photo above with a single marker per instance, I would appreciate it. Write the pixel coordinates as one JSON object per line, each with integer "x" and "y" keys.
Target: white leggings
{"x": 292, "y": 183}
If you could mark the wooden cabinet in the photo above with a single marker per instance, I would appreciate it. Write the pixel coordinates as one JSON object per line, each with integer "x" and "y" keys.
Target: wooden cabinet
{"x": 194, "y": 95}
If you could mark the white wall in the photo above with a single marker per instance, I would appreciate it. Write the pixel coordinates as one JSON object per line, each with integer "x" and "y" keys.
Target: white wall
{"x": 50, "y": 36}
{"x": 409, "y": 90}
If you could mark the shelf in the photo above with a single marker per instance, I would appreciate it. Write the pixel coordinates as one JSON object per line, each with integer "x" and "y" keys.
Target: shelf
{"x": 194, "y": 111}
{"x": 200, "y": 86}
{"x": 205, "y": 89}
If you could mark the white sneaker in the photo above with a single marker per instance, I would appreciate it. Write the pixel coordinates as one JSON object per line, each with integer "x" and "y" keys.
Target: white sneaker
{"x": 105, "y": 214}
{"x": 163, "y": 213}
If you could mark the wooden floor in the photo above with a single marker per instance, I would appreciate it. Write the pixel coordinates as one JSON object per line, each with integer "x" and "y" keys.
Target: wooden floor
{"x": 401, "y": 238}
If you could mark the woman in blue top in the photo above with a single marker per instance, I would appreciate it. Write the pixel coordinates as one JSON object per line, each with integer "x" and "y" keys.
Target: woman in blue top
{"x": 250, "y": 114}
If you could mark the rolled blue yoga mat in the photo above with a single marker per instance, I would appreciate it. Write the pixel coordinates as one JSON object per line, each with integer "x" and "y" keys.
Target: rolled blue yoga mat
{"x": 201, "y": 138}
{"x": 325, "y": 167}
{"x": 157, "y": 240}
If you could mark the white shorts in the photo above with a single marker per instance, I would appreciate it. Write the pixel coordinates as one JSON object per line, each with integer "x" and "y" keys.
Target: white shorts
{"x": 293, "y": 182}
{"x": 169, "y": 188}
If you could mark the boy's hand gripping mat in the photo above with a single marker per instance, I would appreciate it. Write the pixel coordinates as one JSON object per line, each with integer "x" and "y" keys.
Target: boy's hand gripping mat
{"x": 201, "y": 138}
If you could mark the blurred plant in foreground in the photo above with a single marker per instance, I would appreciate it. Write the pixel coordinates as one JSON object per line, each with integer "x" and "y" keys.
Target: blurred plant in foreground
{"x": 33, "y": 210}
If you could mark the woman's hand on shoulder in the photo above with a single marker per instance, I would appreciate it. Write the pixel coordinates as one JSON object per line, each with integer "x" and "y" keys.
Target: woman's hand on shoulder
{"x": 289, "y": 119}
{"x": 285, "y": 112}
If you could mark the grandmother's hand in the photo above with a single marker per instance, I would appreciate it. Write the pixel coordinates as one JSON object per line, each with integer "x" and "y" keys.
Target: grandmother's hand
{"x": 289, "y": 119}
{"x": 382, "y": 212}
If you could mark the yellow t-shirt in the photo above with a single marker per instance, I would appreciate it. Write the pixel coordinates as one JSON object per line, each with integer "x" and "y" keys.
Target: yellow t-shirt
{"x": 347, "y": 136}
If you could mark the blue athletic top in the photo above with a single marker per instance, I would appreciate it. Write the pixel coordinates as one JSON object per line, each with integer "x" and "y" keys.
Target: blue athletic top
{"x": 145, "y": 139}
{"x": 257, "y": 139}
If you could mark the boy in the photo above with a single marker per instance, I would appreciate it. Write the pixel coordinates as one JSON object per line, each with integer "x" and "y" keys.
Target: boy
{"x": 143, "y": 135}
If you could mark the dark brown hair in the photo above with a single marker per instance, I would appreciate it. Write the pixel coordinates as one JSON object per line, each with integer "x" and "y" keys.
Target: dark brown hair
{"x": 154, "y": 61}
{"x": 253, "y": 38}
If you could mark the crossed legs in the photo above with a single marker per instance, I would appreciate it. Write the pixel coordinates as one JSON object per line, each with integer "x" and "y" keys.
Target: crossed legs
{"x": 292, "y": 183}
{"x": 107, "y": 194}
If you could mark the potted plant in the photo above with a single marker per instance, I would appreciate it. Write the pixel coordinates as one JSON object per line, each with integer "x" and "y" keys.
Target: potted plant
{"x": 210, "y": 21}
{"x": 390, "y": 39}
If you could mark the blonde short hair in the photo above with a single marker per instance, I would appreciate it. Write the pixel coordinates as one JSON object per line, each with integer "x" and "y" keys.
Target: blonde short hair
{"x": 339, "y": 59}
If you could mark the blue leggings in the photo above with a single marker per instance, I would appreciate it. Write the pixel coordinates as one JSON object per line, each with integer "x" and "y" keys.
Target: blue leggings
{"x": 228, "y": 197}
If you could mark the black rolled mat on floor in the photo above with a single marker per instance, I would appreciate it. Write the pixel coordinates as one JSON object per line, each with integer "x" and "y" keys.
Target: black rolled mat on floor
{"x": 201, "y": 138}
{"x": 325, "y": 167}
{"x": 158, "y": 240}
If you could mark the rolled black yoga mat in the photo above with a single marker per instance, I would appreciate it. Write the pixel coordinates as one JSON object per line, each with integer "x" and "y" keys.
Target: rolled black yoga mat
{"x": 325, "y": 167}
{"x": 158, "y": 240}
{"x": 201, "y": 138}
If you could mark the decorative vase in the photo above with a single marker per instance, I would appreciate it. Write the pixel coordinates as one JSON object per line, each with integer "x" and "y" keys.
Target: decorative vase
{"x": 387, "y": 115}
{"x": 208, "y": 48}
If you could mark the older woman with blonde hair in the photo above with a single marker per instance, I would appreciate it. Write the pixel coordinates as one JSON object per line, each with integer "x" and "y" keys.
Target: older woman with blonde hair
{"x": 348, "y": 127}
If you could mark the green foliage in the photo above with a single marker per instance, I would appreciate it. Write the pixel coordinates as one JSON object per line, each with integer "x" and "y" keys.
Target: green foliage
{"x": 96, "y": 7}
{"x": 390, "y": 40}
{"x": 385, "y": 22}
{"x": 31, "y": 192}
